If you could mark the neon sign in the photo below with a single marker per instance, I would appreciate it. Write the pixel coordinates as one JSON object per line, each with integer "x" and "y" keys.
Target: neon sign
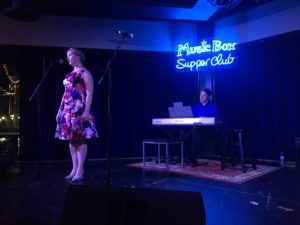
{"x": 205, "y": 55}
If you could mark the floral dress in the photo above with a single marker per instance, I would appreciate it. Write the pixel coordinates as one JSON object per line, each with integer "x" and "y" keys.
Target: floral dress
{"x": 70, "y": 126}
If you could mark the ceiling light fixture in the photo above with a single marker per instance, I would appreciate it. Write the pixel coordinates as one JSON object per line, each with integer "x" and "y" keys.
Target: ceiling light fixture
{"x": 224, "y": 3}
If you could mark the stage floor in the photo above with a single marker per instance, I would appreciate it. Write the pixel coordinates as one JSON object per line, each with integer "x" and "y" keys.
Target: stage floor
{"x": 34, "y": 194}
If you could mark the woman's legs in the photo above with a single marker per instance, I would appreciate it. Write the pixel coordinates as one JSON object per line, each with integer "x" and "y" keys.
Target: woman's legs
{"x": 73, "y": 152}
{"x": 81, "y": 156}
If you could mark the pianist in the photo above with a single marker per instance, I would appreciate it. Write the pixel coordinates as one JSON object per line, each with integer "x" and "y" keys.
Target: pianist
{"x": 201, "y": 134}
{"x": 205, "y": 107}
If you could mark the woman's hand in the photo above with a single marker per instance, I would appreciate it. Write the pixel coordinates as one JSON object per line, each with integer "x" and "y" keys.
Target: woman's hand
{"x": 58, "y": 117}
{"x": 85, "y": 116}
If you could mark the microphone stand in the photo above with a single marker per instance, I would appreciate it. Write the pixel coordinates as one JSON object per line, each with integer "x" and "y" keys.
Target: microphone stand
{"x": 108, "y": 71}
{"x": 36, "y": 92}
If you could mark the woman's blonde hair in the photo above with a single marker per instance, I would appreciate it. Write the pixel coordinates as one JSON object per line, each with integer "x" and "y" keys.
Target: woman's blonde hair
{"x": 79, "y": 53}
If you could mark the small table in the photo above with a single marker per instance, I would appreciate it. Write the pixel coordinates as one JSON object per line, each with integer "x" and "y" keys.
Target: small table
{"x": 166, "y": 143}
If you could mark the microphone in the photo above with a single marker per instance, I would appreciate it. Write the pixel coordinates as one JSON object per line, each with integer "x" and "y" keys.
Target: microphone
{"x": 58, "y": 61}
{"x": 125, "y": 34}
{"x": 100, "y": 80}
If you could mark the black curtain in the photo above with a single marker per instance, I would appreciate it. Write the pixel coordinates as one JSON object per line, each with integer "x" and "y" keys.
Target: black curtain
{"x": 144, "y": 85}
{"x": 261, "y": 95}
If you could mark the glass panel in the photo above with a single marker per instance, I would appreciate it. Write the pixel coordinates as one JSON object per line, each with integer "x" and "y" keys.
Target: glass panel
{"x": 9, "y": 114}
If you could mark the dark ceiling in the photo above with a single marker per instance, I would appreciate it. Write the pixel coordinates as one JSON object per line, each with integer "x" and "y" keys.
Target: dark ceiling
{"x": 191, "y": 10}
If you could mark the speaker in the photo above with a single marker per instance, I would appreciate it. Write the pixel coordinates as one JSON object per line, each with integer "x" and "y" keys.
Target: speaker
{"x": 87, "y": 204}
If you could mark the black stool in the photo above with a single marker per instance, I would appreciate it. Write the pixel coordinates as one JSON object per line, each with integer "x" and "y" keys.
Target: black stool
{"x": 233, "y": 142}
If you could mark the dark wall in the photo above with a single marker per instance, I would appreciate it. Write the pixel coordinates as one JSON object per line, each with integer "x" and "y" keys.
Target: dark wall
{"x": 259, "y": 95}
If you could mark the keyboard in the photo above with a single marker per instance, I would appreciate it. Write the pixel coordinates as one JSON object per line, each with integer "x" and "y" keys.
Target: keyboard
{"x": 183, "y": 121}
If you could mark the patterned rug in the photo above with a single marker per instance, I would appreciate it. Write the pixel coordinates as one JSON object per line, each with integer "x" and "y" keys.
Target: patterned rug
{"x": 211, "y": 171}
